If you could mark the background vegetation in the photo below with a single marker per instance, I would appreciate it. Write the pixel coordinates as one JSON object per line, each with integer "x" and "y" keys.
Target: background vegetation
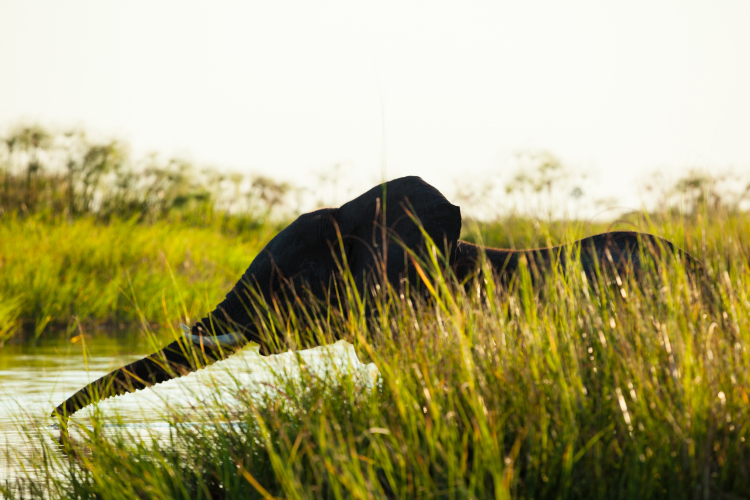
{"x": 86, "y": 232}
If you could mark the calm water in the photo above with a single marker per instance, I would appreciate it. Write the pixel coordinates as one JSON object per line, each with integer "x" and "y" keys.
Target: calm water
{"x": 35, "y": 380}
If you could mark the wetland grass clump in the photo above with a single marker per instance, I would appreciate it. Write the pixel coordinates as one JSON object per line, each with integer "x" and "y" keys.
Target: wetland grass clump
{"x": 576, "y": 388}
{"x": 63, "y": 274}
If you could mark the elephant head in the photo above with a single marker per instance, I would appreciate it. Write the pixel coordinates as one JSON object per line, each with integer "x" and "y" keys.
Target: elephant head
{"x": 301, "y": 264}
{"x": 367, "y": 234}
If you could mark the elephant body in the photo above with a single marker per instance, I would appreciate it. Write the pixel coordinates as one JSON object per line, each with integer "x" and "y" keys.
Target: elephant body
{"x": 301, "y": 268}
{"x": 618, "y": 250}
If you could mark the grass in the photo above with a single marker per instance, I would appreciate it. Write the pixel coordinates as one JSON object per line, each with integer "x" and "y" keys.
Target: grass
{"x": 569, "y": 390}
{"x": 63, "y": 275}
{"x": 613, "y": 389}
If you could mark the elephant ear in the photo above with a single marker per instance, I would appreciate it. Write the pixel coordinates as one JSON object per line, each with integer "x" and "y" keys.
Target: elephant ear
{"x": 375, "y": 233}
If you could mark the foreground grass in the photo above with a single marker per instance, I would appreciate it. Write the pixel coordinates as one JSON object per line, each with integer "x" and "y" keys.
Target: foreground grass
{"x": 612, "y": 389}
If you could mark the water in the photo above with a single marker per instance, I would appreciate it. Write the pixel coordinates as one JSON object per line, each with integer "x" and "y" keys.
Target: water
{"x": 35, "y": 380}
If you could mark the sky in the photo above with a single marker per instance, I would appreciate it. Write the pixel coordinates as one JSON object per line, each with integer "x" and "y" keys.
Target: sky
{"x": 450, "y": 91}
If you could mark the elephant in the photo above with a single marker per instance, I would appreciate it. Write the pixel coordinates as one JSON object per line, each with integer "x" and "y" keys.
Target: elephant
{"x": 378, "y": 237}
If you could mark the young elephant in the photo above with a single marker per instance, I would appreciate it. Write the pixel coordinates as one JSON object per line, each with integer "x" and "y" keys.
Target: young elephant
{"x": 366, "y": 234}
{"x": 369, "y": 235}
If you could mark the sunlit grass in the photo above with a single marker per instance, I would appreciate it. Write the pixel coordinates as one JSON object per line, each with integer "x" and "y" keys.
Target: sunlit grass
{"x": 118, "y": 275}
{"x": 573, "y": 389}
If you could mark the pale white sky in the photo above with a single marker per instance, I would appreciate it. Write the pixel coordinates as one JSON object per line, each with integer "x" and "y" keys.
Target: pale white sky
{"x": 287, "y": 89}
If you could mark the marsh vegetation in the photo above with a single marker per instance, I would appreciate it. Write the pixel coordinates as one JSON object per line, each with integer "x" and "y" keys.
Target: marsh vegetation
{"x": 568, "y": 389}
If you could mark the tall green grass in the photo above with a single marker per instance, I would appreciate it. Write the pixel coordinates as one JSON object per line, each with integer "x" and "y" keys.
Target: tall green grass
{"x": 611, "y": 388}
{"x": 83, "y": 273}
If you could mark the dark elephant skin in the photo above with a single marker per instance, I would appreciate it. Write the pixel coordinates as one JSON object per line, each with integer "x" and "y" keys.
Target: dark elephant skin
{"x": 302, "y": 264}
{"x": 618, "y": 251}
{"x": 369, "y": 233}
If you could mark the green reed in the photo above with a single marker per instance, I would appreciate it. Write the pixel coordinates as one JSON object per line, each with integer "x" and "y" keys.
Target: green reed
{"x": 71, "y": 274}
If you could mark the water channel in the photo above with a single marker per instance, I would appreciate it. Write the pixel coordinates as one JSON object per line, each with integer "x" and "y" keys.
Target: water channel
{"x": 33, "y": 380}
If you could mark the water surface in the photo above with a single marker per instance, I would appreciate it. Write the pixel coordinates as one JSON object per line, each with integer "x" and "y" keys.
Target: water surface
{"x": 33, "y": 380}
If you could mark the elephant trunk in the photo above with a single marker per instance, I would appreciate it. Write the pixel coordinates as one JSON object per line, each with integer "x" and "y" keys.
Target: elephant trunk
{"x": 230, "y": 326}
{"x": 173, "y": 360}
